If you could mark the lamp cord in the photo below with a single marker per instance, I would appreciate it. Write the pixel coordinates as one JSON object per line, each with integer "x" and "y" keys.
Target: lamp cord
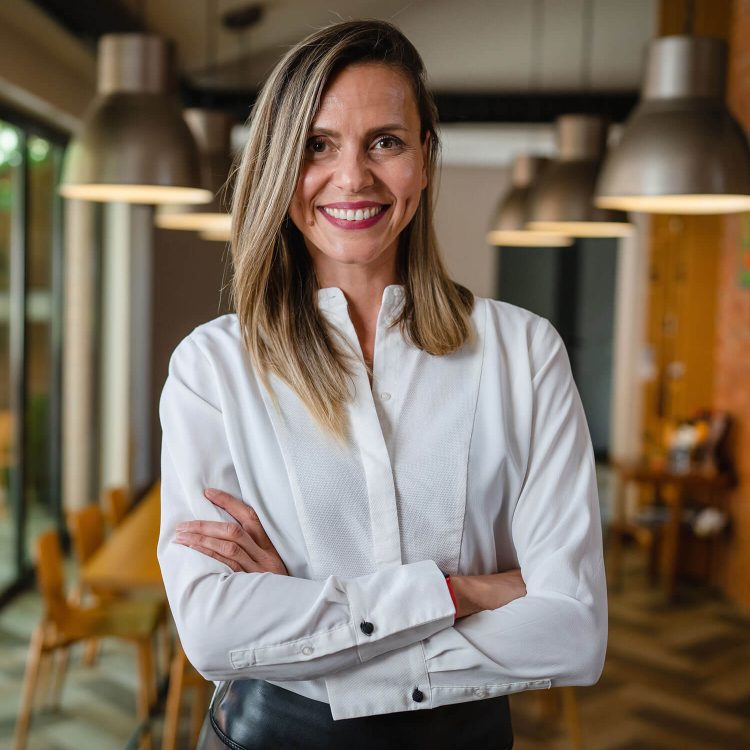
{"x": 689, "y": 24}
{"x": 212, "y": 33}
{"x": 587, "y": 43}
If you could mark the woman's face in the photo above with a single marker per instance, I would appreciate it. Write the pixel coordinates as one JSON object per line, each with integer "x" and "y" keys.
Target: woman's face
{"x": 363, "y": 172}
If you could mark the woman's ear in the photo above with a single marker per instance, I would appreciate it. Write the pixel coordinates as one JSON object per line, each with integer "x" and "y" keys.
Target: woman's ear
{"x": 425, "y": 157}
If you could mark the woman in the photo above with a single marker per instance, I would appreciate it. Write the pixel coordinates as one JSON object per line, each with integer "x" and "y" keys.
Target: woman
{"x": 362, "y": 428}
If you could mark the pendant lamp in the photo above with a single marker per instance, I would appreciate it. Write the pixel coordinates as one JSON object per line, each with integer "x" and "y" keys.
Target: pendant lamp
{"x": 134, "y": 145}
{"x": 212, "y": 130}
{"x": 563, "y": 199}
{"x": 681, "y": 152}
{"x": 509, "y": 225}
{"x": 216, "y": 235}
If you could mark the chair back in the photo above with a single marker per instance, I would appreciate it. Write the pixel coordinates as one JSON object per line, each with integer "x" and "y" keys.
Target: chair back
{"x": 116, "y": 504}
{"x": 87, "y": 531}
{"x": 50, "y": 574}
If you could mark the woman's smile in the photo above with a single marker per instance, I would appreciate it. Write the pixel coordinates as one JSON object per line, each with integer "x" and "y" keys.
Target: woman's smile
{"x": 354, "y": 214}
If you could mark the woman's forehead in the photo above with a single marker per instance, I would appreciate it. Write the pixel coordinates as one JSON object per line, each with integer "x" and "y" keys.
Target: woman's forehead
{"x": 369, "y": 89}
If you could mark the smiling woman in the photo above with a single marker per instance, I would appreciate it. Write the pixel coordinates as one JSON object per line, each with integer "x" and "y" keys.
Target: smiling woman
{"x": 378, "y": 491}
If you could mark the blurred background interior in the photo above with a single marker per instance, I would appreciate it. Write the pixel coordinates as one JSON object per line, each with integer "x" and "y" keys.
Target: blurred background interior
{"x": 595, "y": 170}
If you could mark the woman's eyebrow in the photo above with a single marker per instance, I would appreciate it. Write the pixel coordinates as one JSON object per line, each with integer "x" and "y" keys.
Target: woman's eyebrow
{"x": 315, "y": 130}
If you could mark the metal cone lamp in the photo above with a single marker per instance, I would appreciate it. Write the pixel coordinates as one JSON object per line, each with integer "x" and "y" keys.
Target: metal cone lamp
{"x": 509, "y": 225}
{"x": 563, "y": 199}
{"x": 681, "y": 152}
{"x": 212, "y": 130}
{"x": 134, "y": 145}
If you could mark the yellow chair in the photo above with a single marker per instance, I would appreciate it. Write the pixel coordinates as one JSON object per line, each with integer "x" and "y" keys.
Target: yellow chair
{"x": 64, "y": 624}
{"x": 182, "y": 675}
{"x": 86, "y": 527}
{"x": 116, "y": 504}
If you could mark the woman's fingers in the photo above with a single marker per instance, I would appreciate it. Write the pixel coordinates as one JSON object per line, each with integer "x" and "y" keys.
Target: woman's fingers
{"x": 230, "y": 541}
{"x": 243, "y": 513}
{"x": 226, "y": 550}
{"x": 233, "y": 564}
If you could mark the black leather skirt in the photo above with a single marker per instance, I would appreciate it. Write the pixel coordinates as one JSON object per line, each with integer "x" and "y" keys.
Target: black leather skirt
{"x": 255, "y": 715}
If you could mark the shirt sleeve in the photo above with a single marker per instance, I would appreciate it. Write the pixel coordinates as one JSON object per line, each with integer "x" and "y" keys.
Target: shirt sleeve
{"x": 556, "y": 634}
{"x": 262, "y": 625}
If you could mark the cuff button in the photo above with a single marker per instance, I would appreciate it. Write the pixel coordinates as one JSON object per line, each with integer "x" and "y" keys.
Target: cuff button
{"x": 366, "y": 627}
{"x": 417, "y": 696}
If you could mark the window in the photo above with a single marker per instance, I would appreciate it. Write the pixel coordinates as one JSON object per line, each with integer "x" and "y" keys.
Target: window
{"x": 30, "y": 341}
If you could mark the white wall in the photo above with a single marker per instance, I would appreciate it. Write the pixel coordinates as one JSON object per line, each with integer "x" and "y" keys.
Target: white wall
{"x": 466, "y": 202}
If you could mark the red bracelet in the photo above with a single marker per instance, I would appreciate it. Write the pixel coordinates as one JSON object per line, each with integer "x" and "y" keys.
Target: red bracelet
{"x": 452, "y": 593}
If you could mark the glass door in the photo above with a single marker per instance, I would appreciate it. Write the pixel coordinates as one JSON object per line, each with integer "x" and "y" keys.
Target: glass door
{"x": 12, "y": 191}
{"x": 30, "y": 345}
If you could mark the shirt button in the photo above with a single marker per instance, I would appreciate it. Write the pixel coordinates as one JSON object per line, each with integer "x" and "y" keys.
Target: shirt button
{"x": 366, "y": 627}
{"x": 417, "y": 696}
{"x": 385, "y": 396}
{"x": 480, "y": 692}
{"x": 307, "y": 650}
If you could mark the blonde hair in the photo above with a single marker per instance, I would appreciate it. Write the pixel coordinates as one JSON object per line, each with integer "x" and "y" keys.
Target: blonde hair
{"x": 274, "y": 285}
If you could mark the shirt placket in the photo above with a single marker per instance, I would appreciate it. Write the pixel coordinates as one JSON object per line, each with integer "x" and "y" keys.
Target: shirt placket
{"x": 367, "y": 433}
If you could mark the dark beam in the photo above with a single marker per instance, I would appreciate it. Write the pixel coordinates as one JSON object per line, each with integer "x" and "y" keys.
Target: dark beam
{"x": 541, "y": 107}
{"x": 452, "y": 108}
{"x": 89, "y": 19}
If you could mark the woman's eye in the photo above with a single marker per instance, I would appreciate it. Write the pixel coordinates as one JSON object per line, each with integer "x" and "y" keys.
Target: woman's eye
{"x": 387, "y": 142}
{"x": 316, "y": 145}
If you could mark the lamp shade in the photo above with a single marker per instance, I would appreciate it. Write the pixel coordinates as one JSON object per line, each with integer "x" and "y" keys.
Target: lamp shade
{"x": 681, "y": 150}
{"x": 212, "y": 130}
{"x": 563, "y": 198}
{"x": 134, "y": 145}
{"x": 509, "y": 224}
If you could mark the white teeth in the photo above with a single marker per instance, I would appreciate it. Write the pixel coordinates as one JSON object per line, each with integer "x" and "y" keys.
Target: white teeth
{"x": 352, "y": 215}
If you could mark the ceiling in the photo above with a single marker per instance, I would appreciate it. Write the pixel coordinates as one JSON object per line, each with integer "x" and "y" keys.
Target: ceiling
{"x": 469, "y": 46}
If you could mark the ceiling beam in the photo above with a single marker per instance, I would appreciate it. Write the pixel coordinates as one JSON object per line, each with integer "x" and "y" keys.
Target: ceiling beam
{"x": 452, "y": 107}
{"x": 89, "y": 19}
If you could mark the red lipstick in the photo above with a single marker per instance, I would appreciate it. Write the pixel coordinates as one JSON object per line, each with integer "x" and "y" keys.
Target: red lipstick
{"x": 354, "y": 206}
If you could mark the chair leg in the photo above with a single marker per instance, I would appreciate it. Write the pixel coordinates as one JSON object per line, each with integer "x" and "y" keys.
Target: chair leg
{"x": 572, "y": 718}
{"x": 198, "y": 712}
{"x": 45, "y": 675}
{"x": 59, "y": 677}
{"x": 174, "y": 696}
{"x": 34, "y": 658}
{"x": 164, "y": 647}
{"x": 90, "y": 652}
{"x": 145, "y": 692}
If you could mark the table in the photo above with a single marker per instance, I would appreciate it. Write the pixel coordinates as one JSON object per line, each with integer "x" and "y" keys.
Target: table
{"x": 126, "y": 562}
{"x": 671, "y": 488}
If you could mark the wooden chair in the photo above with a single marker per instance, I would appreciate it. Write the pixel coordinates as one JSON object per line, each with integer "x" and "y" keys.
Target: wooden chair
{"x": 86, "y": 528}
{"x": 182, "y": 675}
{"x": 551, "y": 703}
{"x": 64, "y": 624}
{"x": 116, "y": 504}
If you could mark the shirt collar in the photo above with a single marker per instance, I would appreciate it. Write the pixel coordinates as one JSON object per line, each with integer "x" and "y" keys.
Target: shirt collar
{"x": 332, "y": 299}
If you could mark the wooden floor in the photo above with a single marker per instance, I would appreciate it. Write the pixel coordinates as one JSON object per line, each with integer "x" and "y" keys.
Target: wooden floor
{"x": 676, "y": 678}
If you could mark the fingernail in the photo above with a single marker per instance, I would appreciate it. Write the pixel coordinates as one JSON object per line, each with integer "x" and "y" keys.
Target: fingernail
{"x": 210, "y": 493}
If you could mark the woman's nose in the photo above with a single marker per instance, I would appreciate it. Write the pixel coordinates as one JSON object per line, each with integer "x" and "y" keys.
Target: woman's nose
{"x": 352, "y": 171}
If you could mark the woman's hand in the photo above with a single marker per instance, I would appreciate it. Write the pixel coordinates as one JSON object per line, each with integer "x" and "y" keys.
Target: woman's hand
{"x": 243, "y": 546}
{"x": 478, "y": 593}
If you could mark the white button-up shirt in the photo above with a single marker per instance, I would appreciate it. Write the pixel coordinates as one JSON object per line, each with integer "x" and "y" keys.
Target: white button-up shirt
{"x": 475, "y": 462}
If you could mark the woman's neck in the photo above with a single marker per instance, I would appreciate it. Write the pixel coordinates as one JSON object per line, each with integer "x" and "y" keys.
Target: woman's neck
{"x": 363, "y": 288}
